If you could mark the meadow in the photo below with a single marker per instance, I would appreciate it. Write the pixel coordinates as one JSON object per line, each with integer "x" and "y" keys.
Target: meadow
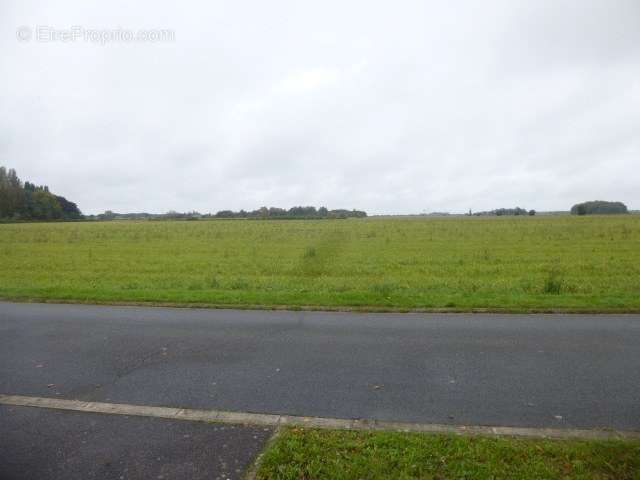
{"x": 540, "y": 263}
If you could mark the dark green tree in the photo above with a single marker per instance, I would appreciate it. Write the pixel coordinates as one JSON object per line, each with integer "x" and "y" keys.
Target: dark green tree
{"x": 31, "y": 202}
{"x": 599, "y": 207}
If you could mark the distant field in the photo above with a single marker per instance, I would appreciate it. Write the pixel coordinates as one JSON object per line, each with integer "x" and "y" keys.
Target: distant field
{"x": 512, "y": 263}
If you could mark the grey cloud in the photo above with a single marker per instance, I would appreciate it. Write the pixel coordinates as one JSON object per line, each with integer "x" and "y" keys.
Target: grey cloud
{"x": 389, "y": 108}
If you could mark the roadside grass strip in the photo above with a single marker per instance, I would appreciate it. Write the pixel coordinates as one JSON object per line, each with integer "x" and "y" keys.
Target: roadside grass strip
{"x": 314, "y": 454}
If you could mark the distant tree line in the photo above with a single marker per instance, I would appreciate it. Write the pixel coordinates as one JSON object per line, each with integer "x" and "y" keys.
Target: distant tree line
{"x": 170, "y": 215}
{"x": 506, "y": 211}
{"x": 293, "y": 212}
{"x": 261, "y": 213}
{"x": 598, "y": 207}
{"x": 27, "y": 201}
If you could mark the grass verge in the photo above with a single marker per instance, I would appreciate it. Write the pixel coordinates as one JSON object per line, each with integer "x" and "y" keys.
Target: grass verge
{"x": 311, "y": 454}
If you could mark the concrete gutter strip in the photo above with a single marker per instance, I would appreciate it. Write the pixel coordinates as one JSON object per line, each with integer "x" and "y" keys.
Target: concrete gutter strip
{"x": 218, "y": 416}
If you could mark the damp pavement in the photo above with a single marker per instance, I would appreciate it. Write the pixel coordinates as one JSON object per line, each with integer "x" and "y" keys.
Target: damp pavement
{"x": 536, "y": 370}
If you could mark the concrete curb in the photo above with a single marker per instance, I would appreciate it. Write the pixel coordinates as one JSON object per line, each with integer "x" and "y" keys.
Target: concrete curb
{"x": 274, "y": 420}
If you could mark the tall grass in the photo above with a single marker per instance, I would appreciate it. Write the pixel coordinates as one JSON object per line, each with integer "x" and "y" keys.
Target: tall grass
{"x": 462, "y": 263}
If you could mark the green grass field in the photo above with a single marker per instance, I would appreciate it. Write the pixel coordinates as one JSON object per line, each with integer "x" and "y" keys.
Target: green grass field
{"x": 460, "y": 263}
{"x": 341, "y": 455}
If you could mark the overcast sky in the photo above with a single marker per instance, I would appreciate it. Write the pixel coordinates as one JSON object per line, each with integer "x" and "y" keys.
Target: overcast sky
{"x": 390, "y": 107}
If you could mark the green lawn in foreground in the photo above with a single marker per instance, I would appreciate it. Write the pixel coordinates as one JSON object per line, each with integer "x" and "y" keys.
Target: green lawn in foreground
{"x": 342, "y": 455}
{"x": 513, "y": 263}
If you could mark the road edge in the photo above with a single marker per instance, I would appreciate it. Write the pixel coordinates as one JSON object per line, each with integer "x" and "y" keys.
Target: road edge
{"x": 319, "y": 308}
{"x": 278, "y": 420}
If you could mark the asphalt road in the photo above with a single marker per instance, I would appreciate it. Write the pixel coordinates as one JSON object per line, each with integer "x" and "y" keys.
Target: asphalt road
{"x": 512, "y": 370}
{"x": 57, "y": 445}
